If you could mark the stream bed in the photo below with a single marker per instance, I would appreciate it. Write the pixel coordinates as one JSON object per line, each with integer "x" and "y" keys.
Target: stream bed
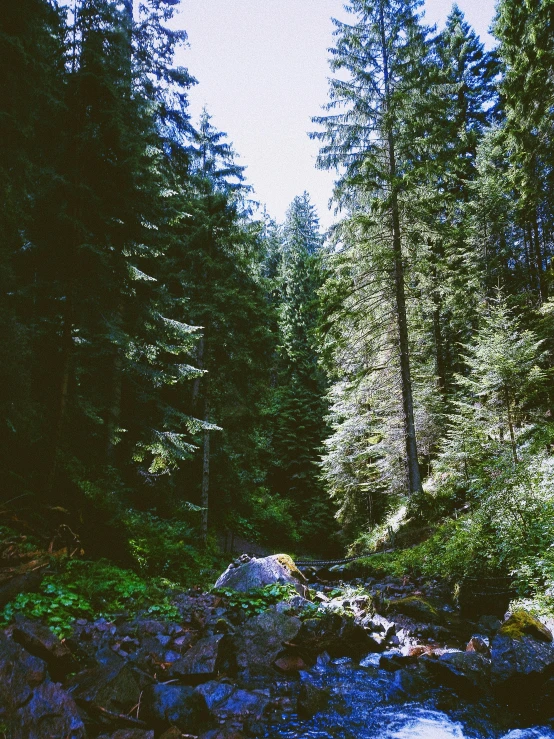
{"x": 371, "y": 703}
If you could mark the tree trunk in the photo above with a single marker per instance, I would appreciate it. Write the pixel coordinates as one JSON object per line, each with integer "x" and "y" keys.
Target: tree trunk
{"x": 59, "y": 422}
{"x": 414, "y": 476}
{"x": 204, "y": 501}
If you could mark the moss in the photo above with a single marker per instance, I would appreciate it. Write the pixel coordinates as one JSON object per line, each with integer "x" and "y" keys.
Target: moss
{"x": 416, "y": 607}
{"x": 522, "y": 623}
{"x": 289, "y": 565}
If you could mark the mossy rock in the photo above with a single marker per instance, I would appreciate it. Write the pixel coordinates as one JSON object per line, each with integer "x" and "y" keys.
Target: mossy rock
{"x": 522, "y": 623}
{"x": 288, "y": 564}
{"x": 417, "y": 608}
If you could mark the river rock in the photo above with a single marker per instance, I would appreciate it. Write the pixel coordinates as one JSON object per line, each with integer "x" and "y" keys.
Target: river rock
{"x": 226, "y": 701}
{"x": 522, "y": 658}
{"x": 262, "y": 638}
{"x": 39, "y": 641}
{"x": 204, "y": 660}
{"x": 166, "y": 705}
{"x": 257, "y": 573}
{"x": 466, "y": 672}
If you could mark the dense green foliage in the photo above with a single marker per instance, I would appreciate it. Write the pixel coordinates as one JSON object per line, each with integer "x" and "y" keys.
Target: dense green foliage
{"x": 175, "y": 365}
{"x": 473, "y": 179}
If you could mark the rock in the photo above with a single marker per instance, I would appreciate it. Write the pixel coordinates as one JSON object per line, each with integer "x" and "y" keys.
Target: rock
{"x": 39, "y": 641}
{"x": 215, "y": 692}
{"x": 242, "y": 704}
{"x": 291, "y": 663}
{"x": 417, "y": 608}
{"x": 20, "y": 674}
{"x": 466, "y": 672}
{"x": 520, "y": 623}
{"x": 311, "y": 700}
{"x": 227, "y": 701}
{"x": 522, "y": 659}
{"x": 166, "y": 705}
{"x": 116, "y": 689}
{"x": 51, "y": 712}
{"x": 206, "y": 659}
{"x": 261, "y": 639}
{"x": 479, "y": 645}
{"x": 257, "y": 573}
{"x": 394, "y": 661}
{"x": 489, "y": 624}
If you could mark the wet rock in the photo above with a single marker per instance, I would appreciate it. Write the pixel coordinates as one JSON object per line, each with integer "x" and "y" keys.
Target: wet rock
{"x": 466, "y": 672}
{"x": 166, "y": 705}
{"x": 407, "y": 683}
{"x": 311, "y": 700}
{"x": 51, "y": 712}
{"x": 39, "y": 641}
{"x": 242, "y": 704}
{"x": 261, "y": 639}
{"x": 257, "y": 573}
{"x": 516, "y": 659}
{"x": 206, "y": 659}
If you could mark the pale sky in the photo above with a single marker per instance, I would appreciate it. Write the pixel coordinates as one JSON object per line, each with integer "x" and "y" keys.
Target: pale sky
{"x": 262, "y": 71}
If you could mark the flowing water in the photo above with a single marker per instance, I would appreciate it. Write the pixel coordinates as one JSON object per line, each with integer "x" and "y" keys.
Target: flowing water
{"x": 370, "y": 703}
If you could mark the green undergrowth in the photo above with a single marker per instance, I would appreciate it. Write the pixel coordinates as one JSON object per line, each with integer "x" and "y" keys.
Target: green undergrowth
{"x": 83, "y": 589}
{"x": 255, "y": 601}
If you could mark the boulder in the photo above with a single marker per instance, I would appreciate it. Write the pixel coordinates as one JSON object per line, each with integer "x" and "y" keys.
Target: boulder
{"x": 480, "y": 645}
{"x": 262, "y": 638}
{"x": 257, "y": 573}
{"x": 226, "y": 701}
{"x": 20, "y": 674}
{"x": 522, "y": 658}
{"x": 417, "y": 608}
{"x": 466, "y": 672}
{"x": 166, "y": 705}
{"x": 51, "y": 712}
{"x": 205, "y": 660}
{"x": 39, "y": 641}
{"x": 116, "y": 689}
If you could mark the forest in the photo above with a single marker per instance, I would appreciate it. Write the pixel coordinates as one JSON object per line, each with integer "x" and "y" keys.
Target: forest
{"x": 177, "y": 368}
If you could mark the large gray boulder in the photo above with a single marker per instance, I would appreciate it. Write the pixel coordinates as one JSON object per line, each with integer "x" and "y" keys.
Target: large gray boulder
{"x": 248, "y": 574}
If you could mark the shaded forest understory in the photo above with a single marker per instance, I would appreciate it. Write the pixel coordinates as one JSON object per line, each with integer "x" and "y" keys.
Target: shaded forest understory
{"x": 175, "y": 367}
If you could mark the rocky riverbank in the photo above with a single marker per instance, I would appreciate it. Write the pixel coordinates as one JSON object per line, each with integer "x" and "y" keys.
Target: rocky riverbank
{"x": 327, "y": 655}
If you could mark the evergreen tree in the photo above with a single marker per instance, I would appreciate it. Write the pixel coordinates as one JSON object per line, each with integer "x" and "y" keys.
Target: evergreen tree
{"x": 299, "y": 399}
{"x": 384, "y": 55}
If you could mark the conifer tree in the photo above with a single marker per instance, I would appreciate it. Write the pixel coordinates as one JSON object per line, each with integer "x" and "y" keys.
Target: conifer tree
{"x": 383, "y": 53}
